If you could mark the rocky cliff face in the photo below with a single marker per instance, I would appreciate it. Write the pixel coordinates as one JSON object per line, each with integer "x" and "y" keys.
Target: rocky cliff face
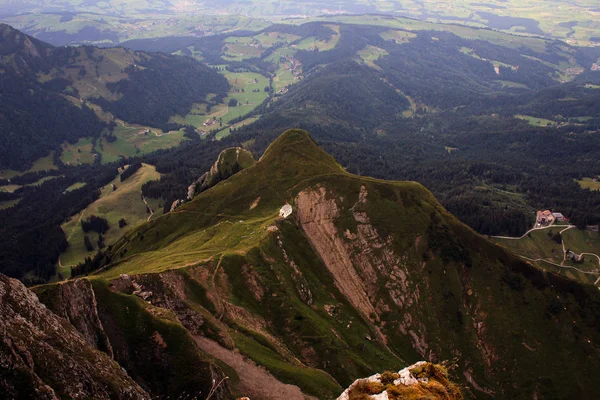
{"x": 229, "y": 162}
{"x": 147, "y": 341}
{"x": 42, "y": 356}
{"x": 76, "y": 302}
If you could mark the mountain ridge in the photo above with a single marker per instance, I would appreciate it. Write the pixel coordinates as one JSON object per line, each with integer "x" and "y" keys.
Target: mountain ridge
{"x": 377, "y": 270}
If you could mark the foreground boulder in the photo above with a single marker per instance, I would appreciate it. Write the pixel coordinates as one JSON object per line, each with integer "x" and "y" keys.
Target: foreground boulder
{"x": 422, "y": 380}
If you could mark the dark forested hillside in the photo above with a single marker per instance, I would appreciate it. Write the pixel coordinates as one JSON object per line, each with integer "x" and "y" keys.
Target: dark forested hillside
{"x": 487, "y": 126}
{"x": 34, "y": 117}
{"x": 346, "y": 92}
{"x": 490, "y": 171}
{"x": 43, "y": 92}
{"x": 32, "y": 238}
{"x": 35, "y": 120}
{"x": 162, "y": 87}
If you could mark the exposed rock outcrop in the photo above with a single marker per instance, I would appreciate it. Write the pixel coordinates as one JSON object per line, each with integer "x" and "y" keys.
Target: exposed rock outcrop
{"x": 229, "y": 162}
{"x": 42, "y": 356}
{"x": 75, "y": 301}
{"x": 421, "y": 380}
{"x": 147, "y": 341}
{"x": 316, "y": 214}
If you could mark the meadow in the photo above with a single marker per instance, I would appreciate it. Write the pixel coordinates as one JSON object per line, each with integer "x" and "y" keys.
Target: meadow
{"x": 43, "y": 164}
{"x": 588, "y": 183}
{"x": 247, "y": 88}
{"x": 535, "y": 121}
{"x": 312, "y": 43}
{"x": 123, "y": 202}
{"x": 541, "y": 250}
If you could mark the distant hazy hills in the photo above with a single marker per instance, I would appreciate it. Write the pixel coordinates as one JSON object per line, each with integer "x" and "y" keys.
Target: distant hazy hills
{"x": 117, "y": 20}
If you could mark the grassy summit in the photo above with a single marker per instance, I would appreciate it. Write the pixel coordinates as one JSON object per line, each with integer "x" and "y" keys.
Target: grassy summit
{"x": 222, "y": 219}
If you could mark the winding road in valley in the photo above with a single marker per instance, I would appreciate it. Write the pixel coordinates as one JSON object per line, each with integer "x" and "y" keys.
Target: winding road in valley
{"x": 534, "y": 229}
{"x": 562, "y": 264}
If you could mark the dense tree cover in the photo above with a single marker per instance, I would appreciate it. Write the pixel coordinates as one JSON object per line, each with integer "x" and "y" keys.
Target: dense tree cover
{"x": 191, "y": 133}
{"x": 95, "y": 224}
{"x": 36, "y": 120}
{"x": 90, "y": 264}
{"x": 88, "y": 243}
{"x": 161, "y": 87}
{"x": 461, "y": 139}
{"x": 492, "y": 172}
{"x": 35, "y": 117}
{"x": 30, "y": 232}
{"x": 130, "y": 170}
{"x": 352, "y": 83}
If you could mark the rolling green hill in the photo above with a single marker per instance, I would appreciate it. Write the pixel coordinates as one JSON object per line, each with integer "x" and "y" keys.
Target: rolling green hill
{"x": 366, "y": 275}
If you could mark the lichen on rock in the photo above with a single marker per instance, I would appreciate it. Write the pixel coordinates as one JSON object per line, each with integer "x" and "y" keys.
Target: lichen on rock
{"x": 422, "y": 380}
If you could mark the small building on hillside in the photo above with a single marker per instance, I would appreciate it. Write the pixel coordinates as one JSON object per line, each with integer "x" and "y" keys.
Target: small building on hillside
{"x": 285, "y": 210}
{"x": 559, "y": 217}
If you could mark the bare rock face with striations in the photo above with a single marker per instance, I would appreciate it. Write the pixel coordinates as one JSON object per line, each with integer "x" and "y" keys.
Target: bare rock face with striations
{"x": 42, "y": 356}
{"x": 76, "y": 302}
{"x": 146, "y": 341}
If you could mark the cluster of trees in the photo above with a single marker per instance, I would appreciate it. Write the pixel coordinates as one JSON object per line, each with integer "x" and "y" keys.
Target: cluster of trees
{"x": 129, "y": 171}
{"x": 190, "y": 133}
{"x": 36, "y": 120}
{"x": 90, "y": 264}
{"x": 95, "y": 224}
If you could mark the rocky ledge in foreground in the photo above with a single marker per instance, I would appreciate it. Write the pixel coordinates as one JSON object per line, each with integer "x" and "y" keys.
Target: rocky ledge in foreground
{"x": 42, "y": 356}
{"x": 420, "y": 380}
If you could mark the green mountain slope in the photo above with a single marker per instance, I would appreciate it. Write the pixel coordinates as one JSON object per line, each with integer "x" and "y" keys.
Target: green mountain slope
{"x": 365, "y": 276}
{"x": 47, "y": 91}
{"x": 229, "y": 162}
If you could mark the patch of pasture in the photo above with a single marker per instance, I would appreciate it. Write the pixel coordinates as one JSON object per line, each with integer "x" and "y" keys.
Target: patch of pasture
{"x": 75, "y": 186}
{"x": 589, "y": 183}
{"x": 398, "y": 36}
{"x": 535, "y": 121}
{"x": 78, "y": 153}
{"x": 123, "y": 202}
{"x": 9, "y": 203}
{"x": 370, "y": 54}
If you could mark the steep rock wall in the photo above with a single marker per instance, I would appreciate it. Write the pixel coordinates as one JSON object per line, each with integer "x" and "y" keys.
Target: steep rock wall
{"x": 42, "y": 356}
